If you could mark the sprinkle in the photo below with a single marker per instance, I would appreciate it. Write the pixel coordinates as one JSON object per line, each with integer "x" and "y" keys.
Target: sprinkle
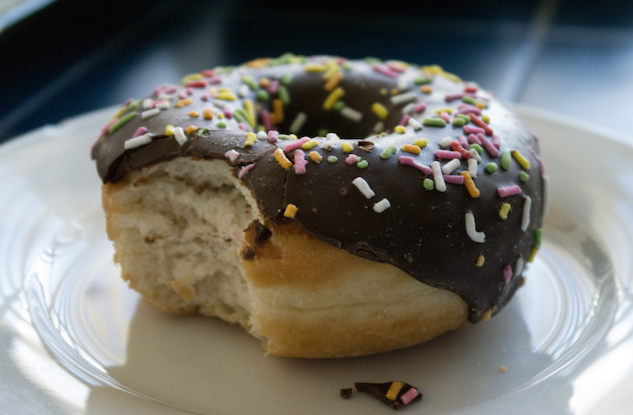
{"x": 284, "y": 95}
{"x": 475, "y": 151}
{"x": 121, "y": 122}
{"x": 546, "y": 195}
{"x": 428, "y": 184}
{"x": 296, "y": 144}
{"x": 458, "y": 122}
{"x": 410, "y": 148}
{"x": 273, "y": 136}
{"x": 309, "y": 144}
{"x": 472, "y": 138}
{"x": 380, "y": 110}
{"x": 525, "y": 221}
{"x": 509, "y": 190}
{"x": 273, "y": 86}
{"x": 226, "y": 96}
{"x": 334, "y": 96}
{"x": 409, "y": 395}
{"x": 444, "y": 116}
{"x": 347, "y": 147}
{"x": 414, "y": 124}
{"x": 457, "y": 146}
{"x": 445, "y": 142}
{"x": 137, "y": 141}
{"x": 399, "y": 129}
{"x": 384, "y": 70}
{"x": 262, "y": 135}
{"x": 505, "y": 159}
{"x": 524, "y": 177}
{"x": 262, "y": 95}
{"x": 364, "y": 188}
{"x": 438, "y": 177}
{"x": 449, "y": 167}
{"x": 409, "y": 161}
{"x": 453, "y": 179}
{"x": 250, "y": 111}
{"x": 332, "y": 159}
{"x": 472, "y": 168}
{"x": 183, "y": 102}
{"x": 250, "y": 82}
{"x": 491, "y": 167}
{"x": 507, "y": 275}
{"x": 291, "y": 211}
{"x": 298, "y": 122}
{"x": 480, "y": 261}
{"x": 426, "y": 89}
{"x": 402, "y": 98}
{"x": 388, "y": 152}
{"x": 363, "y": 164}
{"x": 352, "y": 114}
{"x": 315, "y": 157}
{"x": 140, "y": 131}
{"x": 232, "y": 155}
{"x": 518, "y": 267}
{"x": 490, "y": 148}
{"x": 468, "y": 100}
{"x": 446, "y": 110}
{"x": 180, "y": 136}
{"x": 314, "y": 67}
{"x": 221, "y": 124}
{"x": 466, "y": 109}
{"x": 419, "y": 107}
{"x": 352, "y": 159}
{"x": 333, "y": 81}
{"x": 470, "y": 185}
{"x": 447, "y": 154}
{"x": 147, "y": 103}
{"x": 420, "y": 80}
{"x": 525, "y": 163}
{"x": 479, "y": 123}
{"x": 245, "y": 170}
{"x": 434, "y": 122}
{"x": 196, "y": 84}
{"x": 169, "y": 130}
{"x": 532, "y": 254}
{"x": 471, "y": 230}
{"x": 282, "y": 159}
{"x": 300, "y": 162}
{"x": 382, "y": 206}
{"x": 394, "y": 389}
{"x": 286, "y": 78}
{"x": 538, "y": 236}
{"x": 251, "y": 138}
{"x": 468, "y": 129}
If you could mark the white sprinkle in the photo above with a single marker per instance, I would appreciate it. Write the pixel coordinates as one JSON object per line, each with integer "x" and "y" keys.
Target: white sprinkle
{"x": 243, "y": 90}
{"x": 379, "y": 127}
{"x": 262, "y": 135}
{"x": 220, "y": 104}
{"x": 164, "y": 96}
{"x": 472, "y": 167}
{"x": 364, "y": 188}
{"x": 519, "y": 265}
{"x": 449, "y": 167}
{"x": 298, "y": 122}
{"x": 332, "y": 136}
{"x": 407, "y": 109}
{"x": 545, "y": 194}
{"x": 352, "y": 114}
{"x": 402, "y": 83}
{"x": 526, "y": 213}
{"x": 402, "y": 98}
{"x": 445, "y": 142}
{"x": 471, "y": 230}
{"x": 415, "y": 124}
{"x": 475, "y": 155}
{"x": 382, "y": 206}
{"x": 437, "y": 176}
{"x": 180, "y": 135}
{"x": 162, "y": 105}
{"x": 141, "y": 140}
{"x": 149, "y": 113}
{"x": 232, "y": 155}
{"x": 147, "y": 103}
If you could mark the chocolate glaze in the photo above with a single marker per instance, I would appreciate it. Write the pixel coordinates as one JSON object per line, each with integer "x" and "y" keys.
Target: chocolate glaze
{"x": 423, "y": 232}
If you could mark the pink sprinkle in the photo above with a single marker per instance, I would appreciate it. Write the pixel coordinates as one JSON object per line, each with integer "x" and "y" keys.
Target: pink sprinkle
{"x": 453, "y": 178}
{"x": 496, "y": 141}
{"x": 507, "y": 273}
{"x": 227, "y": 112}
{"x": 479, "y": 123}
{"x": 182, "y": 95}
{"x": 453, "y": 97}
{"x": 104, "y": 130}
{"x": 509, "y": 190}
{"x": 395, "y": 67}
{"x": 232, "y": 155}
{"x": 245, "y": 170}
{"x": 463, "y": 141}
{"x": 405, "y": 120}
{"x": 266, "y": 119}
{"x": 155, "y": 103}
{"x": 474, "y": 139}
{"x": 159, "y": 89}
{"x": 272, "y": 87}
{"x": 296, "y": 144}
{"x": 140, "y": 131}
{"x": 447, "y": 155}
{"x": 215, "y": 80}
{"x": 445, "y": 117}
{"x": 242, "y": 126}
{"x": 469, "y": 129}
{"x": 169, "y": 90}
{"x": 409, "y": 395}
{"x": 409, "y": 161}
{"x": 189, "y": 91}
{"x": 419, "y": 107}
{"x": 205, "y": 97}
{"x": 352, "y": 159}
{"x": 273, "y": 136}
{"x": 300, "y": 162}
{"x": 490, "y": 148}
{"x": 384, "y": 70}
{"x": 467, "y": 109}
{"x": 127, "y": 102}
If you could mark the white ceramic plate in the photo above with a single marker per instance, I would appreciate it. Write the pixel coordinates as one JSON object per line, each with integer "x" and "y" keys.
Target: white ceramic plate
{"x": 74, "y": 339}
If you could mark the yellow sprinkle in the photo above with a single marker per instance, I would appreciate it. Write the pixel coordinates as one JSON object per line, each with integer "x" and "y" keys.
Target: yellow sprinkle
{"x": 525, "y": 163}
{"x": 380, "y": 110}
{"x": 522, "y": 283}
{"x": 480, "y": 105}
{"x": 282, "y": 159}
{"x": 421, "y": 142}
{"x": 258, "y": 63}
{"x": 169, "y": 130}
{"x": 332, "y": 70}
{"x": 315, "y": 157}
{"x": 251, "y": 138}
{"x": 446, "y": 110}
{"x": 192, "y": 77}
{"x": 437, "y": 70}
{"x": 333, "y": 81}
{"x": 183, "y": 102}
{"x": 194, "y": 114}
{"x": 191, "y": 129}
{"x": 480, "y": 261}
{"x": 119, "y": 112}
{"x": 226, "y": 96}
{"x": 410, "y": 148}
{"x": 470, "y": 185}
{"x": 400, "y": 129}
{"x": 309, "y": 144}
{"x": 394, "y": 389}
{"x": 485, "y": 119}
{"x": 426, "y": 89}
{"x": 503, "y": 368}
{"x": 220, "y": 115}
{"x": 315, "y": 67}
{"x": 487, "y": 315}
{"x": 291, "y": 211}
{"x": 503, "y": 212}
{"x": 278, "y": 111}
{"x": 250, "y": 111}
{"x": 532, "y": 254}
{"x": 292, "y": 136}
{"x": 347, "y": 147}
{"x": 383, "y": 91}
{"x": 207, "y": 113}
{"x": 333, "y": 97}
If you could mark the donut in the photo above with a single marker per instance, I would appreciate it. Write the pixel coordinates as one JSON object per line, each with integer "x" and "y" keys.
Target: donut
{"x": 332, "y": 207}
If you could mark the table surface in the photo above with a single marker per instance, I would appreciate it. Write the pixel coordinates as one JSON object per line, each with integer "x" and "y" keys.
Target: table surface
{"x": 67, "y": 57}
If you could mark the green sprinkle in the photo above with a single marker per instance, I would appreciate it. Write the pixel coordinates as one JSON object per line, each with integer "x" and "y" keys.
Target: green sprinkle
{"x": 283, "y": 136}
{"x": 434, "y": 122}
{"x": 134, "y": 104}
{"x": 240, "y": 115}
{"x": 121, "y": 122}
{"x": 286, "y": 78}
{"x": 524, "y": 176}
{"x": 347, "y": 66}
{"x": 477, "y": 148}
{"x": 371, "y": 59}
{"x": 338, "y": 106}
{"x": 538, "y": 236}
{"x": 459, "y": 122}
{"x": 468, "y": 100}
{"x": 388, "y": 152}
{"x": 506, "y": 159}
{"x": 322, "y": 132}
{"x": 362, "y": 164}
{"x": 429, "y": 184}
{"x": 262, "y": 95}
{"x": 332, "y": 159}
{"x": 464, "y": 117}
{"x": 421, "y": 80}
{"x": 252, "y": 85}
{"x": 491, "y": 167}
{"x": 284, "y": 96}
{"x": 383, "y": 134}
{"x": 221, "y": 124}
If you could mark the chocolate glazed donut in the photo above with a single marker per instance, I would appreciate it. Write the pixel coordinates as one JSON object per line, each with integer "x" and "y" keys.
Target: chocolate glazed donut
{"x": 395, "y": 163}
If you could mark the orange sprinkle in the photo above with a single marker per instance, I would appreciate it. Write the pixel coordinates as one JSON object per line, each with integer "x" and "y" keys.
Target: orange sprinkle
{"x": 480, "y": 261}
{"x": 291, "y": 211}
{"x": 487, "y": 315}
{"x": 278, "y": 111}
{"x": 213, "y": 90}
{"x": 207, "y": 113}
{"x": 194, "y": 114}
{"x": 315, "y": 157}
{"x": 333, "y": 82}
{"x": 183, "y": 102}
{"x": 426, "y": 89}
{"x": 470, "y": 185}
{"x": 282, "y": 159}
{"x": 480, "y": 105}
{"x": 257, "y": 63}
{"x": 395, "y": 91}
{"x": 191, "y": 129}
{"x": 264, "y": 82}
{"x": 411, "y": 148}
